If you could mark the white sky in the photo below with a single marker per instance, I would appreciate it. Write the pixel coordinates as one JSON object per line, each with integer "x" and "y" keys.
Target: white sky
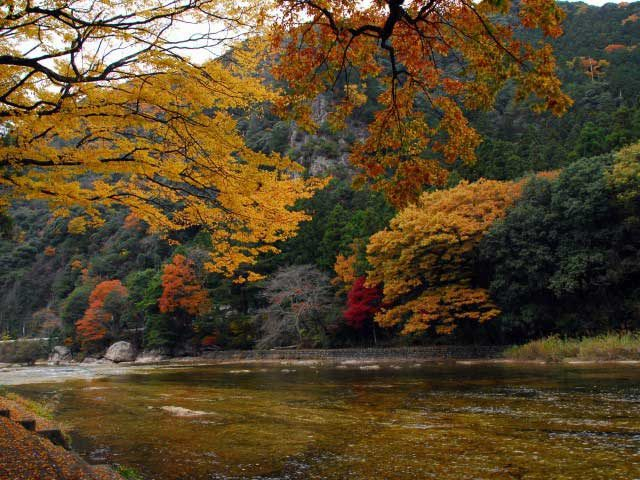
{"x": 600, "y": 2}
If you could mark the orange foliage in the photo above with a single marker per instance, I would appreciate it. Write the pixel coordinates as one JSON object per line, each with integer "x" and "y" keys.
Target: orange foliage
{"x": 424, "y": 262}
{"x": 182, "y": 289}
{"x": 86, "y": 276}
{"x": 592, "y": 67}
{"x": 405, "y": 149}
{"x": 94, "y": 325}
{"x": 548, "y": 174}
{"x": 614, "y": 47}
{"x": 133, "y": 222}
{"x": 50, "y": 251}
{"x": 633, "y": 18}
{"x": 209, "y": 341}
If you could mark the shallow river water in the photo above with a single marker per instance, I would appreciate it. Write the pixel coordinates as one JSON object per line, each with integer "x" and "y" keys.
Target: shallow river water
{"x": 403, "y": 421}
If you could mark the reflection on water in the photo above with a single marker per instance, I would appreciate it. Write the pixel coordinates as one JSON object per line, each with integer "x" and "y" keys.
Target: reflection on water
{"x": 396, "y": 422}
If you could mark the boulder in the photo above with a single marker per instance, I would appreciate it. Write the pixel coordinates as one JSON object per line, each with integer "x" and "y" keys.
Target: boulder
{"x": 121, "y": 352}
{"x": 60, "y": 353}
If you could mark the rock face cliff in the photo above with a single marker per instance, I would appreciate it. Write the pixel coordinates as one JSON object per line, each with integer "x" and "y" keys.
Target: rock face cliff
{"x": 324, "y": 152}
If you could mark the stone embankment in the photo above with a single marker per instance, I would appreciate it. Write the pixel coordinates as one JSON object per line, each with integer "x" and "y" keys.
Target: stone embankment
{"x": 430, "y": 353}
{"x": 32, "y": 447}
{"x": 125, "y": 352}
{"x": 337, "y": 355}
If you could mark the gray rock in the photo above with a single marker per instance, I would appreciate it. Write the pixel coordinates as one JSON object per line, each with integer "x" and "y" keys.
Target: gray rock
{"x": 121, "y": 352}
{"x": 60, "y": 353}
{"x": 320, "y": 109}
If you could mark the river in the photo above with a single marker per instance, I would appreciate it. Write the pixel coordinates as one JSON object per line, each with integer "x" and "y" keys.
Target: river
{"x": 403, "y": 421}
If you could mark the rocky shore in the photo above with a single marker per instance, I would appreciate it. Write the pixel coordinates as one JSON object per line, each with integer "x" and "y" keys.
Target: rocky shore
{"x": 124, "y": 352}
{"x": 32, "y": 447}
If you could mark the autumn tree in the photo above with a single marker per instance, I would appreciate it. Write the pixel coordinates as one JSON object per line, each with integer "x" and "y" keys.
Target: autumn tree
{"x": 432, "y": 59}
{"x": 101, "y": 104}
{"x": 424, "y": 260}
{"x": 614, "y": 47}
{"x": 182, "y": 292}
{"x": 362, "y": 303}
{"x": 300, "y": 301}
{"x": 592, "y": 67}
{"x": 345, "y": 270}
{"x": 103, "y": 317}
{"x": 624, "y": 176}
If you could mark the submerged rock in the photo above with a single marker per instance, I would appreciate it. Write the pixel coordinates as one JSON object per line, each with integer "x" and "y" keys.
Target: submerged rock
{"x": 60, "y": 353}
{"x": 370, "y": 367}
{"x": 94, "y": 360}
{"x": 121, "y": 352}
{"x": 151, "y": 356}
{"x": 183, "y": 412}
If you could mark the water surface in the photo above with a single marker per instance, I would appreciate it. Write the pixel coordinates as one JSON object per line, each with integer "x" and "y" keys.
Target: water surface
{"x": 398, "y": 422}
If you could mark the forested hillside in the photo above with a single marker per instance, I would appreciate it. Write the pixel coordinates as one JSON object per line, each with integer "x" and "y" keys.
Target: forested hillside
{"x": 548, "y": 242}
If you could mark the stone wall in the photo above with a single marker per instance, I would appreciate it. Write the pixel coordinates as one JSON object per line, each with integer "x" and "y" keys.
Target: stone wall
{"x": 440, "y": 352}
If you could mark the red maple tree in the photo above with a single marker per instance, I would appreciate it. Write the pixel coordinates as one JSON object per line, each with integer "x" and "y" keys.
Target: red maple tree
{"x": 362, "y": 303}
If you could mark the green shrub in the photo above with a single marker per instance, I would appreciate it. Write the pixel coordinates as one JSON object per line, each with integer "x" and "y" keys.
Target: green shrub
{"x": 550, "y": 349}
{"x": 128, "y": 473}
{"x": 42, "y": 410}
{"x": 612, "y": 346}
{"x": 24, "y": 351}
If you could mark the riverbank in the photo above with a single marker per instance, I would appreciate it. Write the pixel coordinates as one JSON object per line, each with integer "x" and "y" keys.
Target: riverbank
{"x": 63, "y": 356}
{"x": 366, "y": 359}
{"x": 612, "y": 347}
{"x": 538, "y": 352}
{"x": 550, "y": 350}
{"x": 34, "y": 447}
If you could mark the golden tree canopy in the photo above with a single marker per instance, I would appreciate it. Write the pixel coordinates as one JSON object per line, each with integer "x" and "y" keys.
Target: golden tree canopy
{"x": 424, "y": 262}
{"x": 100, "y": 106}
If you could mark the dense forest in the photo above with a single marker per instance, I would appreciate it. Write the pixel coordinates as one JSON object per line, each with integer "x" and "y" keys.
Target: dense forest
{"x": 541, "y": 235}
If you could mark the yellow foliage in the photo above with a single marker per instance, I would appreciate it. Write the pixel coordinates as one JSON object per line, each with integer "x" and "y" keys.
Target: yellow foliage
{"x": 77, "y": 225}
{"x": 424, "y": 258}
{"x": 624, "y": 177}
{"x": 76, "y": 264}
{"x": 148, "y": 130}
{"x": 345, "y": 268}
